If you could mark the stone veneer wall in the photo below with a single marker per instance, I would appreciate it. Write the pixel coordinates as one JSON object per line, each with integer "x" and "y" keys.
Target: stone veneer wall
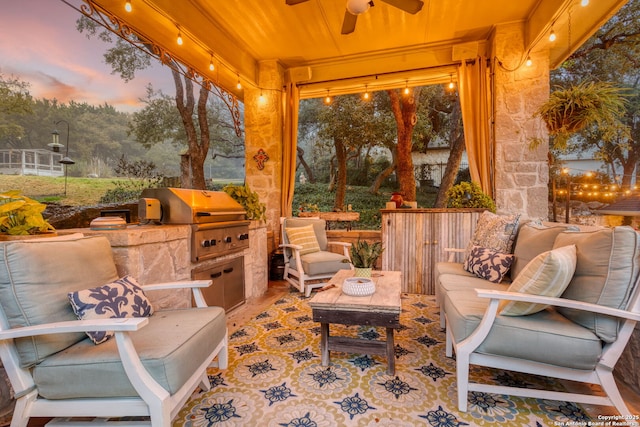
{"x": 162, "y": 253}
{"x": 264, "y": 122}
{"x": 521, "y": 174}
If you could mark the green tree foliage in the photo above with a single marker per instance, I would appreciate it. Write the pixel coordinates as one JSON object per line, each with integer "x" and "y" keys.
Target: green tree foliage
{"x": 351, "y": 127}
{"x": 367, "y": 131}
{"x": 15, "y": 100}
{"x": 189, "y": 126}
{"x": 97, "y": 134}
{"x": 611, "y": 55}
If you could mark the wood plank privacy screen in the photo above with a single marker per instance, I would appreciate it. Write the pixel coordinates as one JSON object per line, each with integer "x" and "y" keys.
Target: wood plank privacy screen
{"x": 414, "y": 241}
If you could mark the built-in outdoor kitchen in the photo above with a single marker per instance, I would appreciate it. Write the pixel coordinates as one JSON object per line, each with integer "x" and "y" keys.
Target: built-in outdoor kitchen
{"x": 190, "y": 234}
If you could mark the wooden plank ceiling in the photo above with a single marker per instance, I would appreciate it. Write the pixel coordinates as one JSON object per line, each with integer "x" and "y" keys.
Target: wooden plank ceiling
{"x": 388, "y": 46}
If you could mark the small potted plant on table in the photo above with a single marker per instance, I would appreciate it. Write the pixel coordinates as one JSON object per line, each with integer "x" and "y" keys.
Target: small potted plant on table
{"x": 364, "y": 256}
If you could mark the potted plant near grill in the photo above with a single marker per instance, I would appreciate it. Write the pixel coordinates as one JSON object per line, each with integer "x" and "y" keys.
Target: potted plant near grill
{"x": 249, "y": 199}
{"x": 364, "y": 256}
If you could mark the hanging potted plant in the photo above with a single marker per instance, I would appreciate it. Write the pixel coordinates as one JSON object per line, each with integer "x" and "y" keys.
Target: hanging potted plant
{"x": 364, "y": 256}
{"x": 22, "y": 216}
{"x": 570, "y": 110}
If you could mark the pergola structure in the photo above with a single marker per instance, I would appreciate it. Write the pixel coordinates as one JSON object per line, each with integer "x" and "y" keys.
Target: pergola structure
{"x": 269, "y": 54}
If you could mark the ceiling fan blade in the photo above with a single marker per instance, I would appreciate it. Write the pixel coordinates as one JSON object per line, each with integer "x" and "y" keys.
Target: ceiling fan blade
{"x": 409, "y": 6}
{"x": 294, "y": 2}
{"x": 349, "y": 22}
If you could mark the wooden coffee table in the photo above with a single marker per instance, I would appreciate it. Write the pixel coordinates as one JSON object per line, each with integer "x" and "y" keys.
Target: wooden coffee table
{"x": 380, "y": 309}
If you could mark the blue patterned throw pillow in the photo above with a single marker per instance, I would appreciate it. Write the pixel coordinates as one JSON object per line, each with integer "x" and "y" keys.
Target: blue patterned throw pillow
{"x": 488, "y": 264}
{"x": 121, "y": 298}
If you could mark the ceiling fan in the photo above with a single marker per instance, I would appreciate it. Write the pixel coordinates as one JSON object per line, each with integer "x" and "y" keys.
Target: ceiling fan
{"x": 358, "y": 7}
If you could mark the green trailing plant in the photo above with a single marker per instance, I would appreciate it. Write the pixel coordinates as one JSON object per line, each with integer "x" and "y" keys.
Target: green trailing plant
{"x": 469, "y": 195}
{"x": 249, "y": 200}
{"x": 21, "y": 215}
{"x": 570, "y": 110}
{"x": 365, "y": 254}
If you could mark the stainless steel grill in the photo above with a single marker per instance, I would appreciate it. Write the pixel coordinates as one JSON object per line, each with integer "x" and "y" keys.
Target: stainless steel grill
{"x": 219, "y": 225}
{"x": 186, "y": 206}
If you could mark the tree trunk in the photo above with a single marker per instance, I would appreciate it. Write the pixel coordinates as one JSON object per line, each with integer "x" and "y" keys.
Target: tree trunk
{"x": 192, "y": 171}
{"x": 185, "y": 171}
{"x": 305, "y": 166}
{"x": 404, "y": 111}
{"x": 200, "y": 146}
{"x": 341, "y": 174}
{"x": 450, "y": 172}
{"x": 456, "y": 137}
{"x": 377, "y": 183}
{"x": 627, "y": 172}
{"x": 332, "y": 175}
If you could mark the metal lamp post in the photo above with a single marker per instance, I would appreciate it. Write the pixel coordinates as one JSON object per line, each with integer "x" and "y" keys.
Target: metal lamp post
{"x": 56, "y": 148}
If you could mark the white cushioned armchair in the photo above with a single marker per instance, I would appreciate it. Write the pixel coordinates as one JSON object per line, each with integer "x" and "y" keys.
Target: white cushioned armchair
{"x": 149, "y": 368}
{"x": 307, "y": 259}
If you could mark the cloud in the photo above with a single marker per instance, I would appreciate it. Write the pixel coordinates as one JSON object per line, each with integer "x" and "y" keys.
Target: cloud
{"x": 52, "y": 88}
{"x": 40, "y": 45}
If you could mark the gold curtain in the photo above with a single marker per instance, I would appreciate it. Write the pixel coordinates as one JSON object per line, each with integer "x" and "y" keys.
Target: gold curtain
{"x": 291, "y": 100}
{"x": 475, "y": 104}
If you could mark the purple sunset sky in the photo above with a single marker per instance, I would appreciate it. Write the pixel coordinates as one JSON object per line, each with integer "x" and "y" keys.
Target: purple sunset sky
{"x": 40, "y": 44}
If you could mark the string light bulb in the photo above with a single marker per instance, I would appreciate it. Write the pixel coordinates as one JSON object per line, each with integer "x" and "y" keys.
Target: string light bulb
{"x": 529, "y": 62}
{"x": 452, "y": 85}
{"x": 238, "y": 86}
{"x": 552, "y": 36}
{"x": 327, "y": 99}
{"x": 366, "y": 93}
{"x": 406, "y": 88}
{"x": 179, "y": 39}
{"x": 261, "y": 98}
{"x": 211, "y": 66}
{"x": 127, "y": 6}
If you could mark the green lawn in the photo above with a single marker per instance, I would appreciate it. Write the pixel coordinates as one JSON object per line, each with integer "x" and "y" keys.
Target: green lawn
{"x": 80, "y": 191}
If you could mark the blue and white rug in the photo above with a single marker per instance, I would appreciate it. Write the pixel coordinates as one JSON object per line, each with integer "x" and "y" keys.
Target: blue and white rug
{"x": 275, "y": 378}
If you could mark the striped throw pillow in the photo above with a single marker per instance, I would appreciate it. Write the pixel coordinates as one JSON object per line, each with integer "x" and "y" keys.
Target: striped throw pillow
{"x": 547, "y": 274}
{"x": 305, "y": 237}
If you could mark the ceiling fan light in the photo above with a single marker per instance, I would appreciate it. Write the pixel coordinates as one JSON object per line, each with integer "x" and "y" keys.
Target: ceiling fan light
{"x": 357, "y": 7}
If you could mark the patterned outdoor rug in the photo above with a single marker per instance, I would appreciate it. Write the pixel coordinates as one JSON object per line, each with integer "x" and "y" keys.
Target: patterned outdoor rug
{"x": 275, "y": 379}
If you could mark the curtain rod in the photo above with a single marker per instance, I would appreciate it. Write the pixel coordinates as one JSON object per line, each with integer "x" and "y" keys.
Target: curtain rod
{"x": 388, "y": 73}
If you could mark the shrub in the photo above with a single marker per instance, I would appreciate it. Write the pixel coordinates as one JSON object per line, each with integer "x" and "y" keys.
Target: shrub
{"x": 141, "y": 174}
{"x": 469, "y": 195}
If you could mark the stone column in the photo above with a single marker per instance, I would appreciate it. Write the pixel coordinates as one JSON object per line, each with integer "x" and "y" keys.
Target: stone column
{"x": 521, "y": 174}
{"x": 263, "y": 121}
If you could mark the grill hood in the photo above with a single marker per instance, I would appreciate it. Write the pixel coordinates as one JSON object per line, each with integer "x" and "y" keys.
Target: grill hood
{"x": 188, "y": 206}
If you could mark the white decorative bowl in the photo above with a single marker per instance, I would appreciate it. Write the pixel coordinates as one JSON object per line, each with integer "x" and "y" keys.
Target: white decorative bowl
{"x": 358, "y": 286}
